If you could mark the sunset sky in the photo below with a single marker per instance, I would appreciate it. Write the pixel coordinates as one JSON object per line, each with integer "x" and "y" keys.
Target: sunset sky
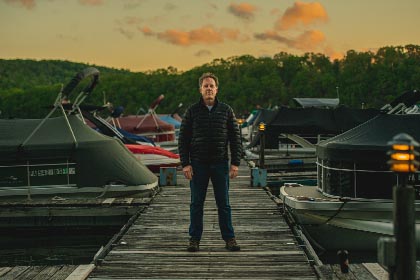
{"x": 142, "y": 35}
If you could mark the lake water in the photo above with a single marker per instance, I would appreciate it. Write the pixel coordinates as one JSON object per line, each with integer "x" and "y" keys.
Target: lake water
{"x": 53, "y": 246}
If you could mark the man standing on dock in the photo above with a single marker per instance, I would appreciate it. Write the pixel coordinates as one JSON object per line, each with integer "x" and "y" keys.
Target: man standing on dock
{"x": 208, "y": 128}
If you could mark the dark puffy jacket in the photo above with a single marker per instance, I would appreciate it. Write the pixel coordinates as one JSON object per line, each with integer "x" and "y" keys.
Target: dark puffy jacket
{"x": 205, "y": 135}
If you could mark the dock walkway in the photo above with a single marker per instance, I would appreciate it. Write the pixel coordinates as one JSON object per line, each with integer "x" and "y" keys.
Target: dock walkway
{"x": 155, "y": 245}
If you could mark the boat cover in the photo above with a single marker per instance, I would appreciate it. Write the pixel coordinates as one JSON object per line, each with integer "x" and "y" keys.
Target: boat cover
{"x": 354, "y": 164}
{"x": 150, "y": 124}
{"x": 309, "y": 121}
{"x": 368, "y": 141}
{"x": 169, "y": 119}
{"x": 98, "y": 159}
{"x": 317, "y": 102}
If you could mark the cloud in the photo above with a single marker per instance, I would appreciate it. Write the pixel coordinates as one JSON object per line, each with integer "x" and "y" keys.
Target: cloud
{"x": 91, "y": 2}
{"x": 213, "y": 6}
{"x": 147, "y": 31}
{"x": 202, "y": 35}
{"x": 275, "y": 11}
{"x": 244, "y": 10}
{"x": 132, "y": 20}
{"x": 170, "y": 7}
{"x": 307, "y": 41}
{"x": 126, "y": 33}
{"x": 273, "y": 35}
{"x": 203, "y": 53}
{"x": 302, "y": 14}
{"x": 28, "y": 4}
{"x": 132, "y": 4}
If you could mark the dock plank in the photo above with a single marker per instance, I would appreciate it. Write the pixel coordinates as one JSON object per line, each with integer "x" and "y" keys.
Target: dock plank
{"x": 81, "y": 272}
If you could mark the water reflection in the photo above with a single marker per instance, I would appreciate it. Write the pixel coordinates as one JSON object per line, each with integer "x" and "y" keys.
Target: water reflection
{"x": 53, "y": 246}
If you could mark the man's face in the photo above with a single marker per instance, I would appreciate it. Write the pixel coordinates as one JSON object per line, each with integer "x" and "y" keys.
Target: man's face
{"x": 208, "y": 90}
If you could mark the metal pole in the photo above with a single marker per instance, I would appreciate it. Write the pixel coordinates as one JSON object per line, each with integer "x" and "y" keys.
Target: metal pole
{"x": 240, "y": 135}
{"x": 404, "y": 230}
{"x": 262, "y": 147}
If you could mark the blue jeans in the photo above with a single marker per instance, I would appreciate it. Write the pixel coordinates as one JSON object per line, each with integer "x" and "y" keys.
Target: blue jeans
{"x": 219, "y": 175}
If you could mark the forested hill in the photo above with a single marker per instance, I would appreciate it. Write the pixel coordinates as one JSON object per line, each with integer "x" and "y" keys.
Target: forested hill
{"x": 27, "y": 87}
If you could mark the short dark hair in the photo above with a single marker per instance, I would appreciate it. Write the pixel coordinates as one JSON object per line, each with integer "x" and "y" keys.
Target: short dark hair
{"x": 208, "y": 75}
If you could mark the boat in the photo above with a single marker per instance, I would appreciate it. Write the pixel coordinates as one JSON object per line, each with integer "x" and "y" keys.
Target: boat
{"x": 65, "y": 156}
{"x": 150, "y": 155}
{"x": 60, "y": 156}
{"x": 149, "y": 125}
{"x": 352, "y": 205}
{"x": 291, "y": 134}
{"x": 154, "y": 157}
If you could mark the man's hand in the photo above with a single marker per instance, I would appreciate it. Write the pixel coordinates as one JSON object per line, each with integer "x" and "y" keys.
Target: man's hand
{"x": 188, "y": 172}
{"x": 233, "y": 172}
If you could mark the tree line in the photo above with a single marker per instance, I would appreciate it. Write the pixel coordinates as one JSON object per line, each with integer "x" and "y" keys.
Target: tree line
{"x": 28, "y": 88}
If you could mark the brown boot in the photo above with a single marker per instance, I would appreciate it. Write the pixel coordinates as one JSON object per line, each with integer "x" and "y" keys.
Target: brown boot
{"x": 194, "y": 245}
{"x": 231, "y": 245}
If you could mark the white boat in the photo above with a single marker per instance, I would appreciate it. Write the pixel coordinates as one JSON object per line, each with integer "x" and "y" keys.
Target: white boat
{"x": 336, "y": 223}
{"x": 352, "y": 205}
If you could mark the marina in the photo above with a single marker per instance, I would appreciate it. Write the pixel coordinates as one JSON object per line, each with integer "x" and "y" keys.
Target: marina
{"x": 82, "y": 203}
{"x": 152, "y": 244}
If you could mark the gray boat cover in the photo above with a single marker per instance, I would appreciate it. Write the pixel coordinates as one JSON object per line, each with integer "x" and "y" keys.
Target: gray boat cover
{"x": 317, "y": 102}
{"x": 309, "y": 122}
{"x": 98, "y": 160}
{"x": 364, "y": 149}
{"x": 368, "y": 141}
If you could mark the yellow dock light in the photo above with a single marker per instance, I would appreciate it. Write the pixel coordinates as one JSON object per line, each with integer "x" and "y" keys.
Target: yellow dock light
{"x": 403, "y": 154}
{"x": 240, "y": 121}
{"x": 261, "y": 126}
{"x": 403, "y": 162}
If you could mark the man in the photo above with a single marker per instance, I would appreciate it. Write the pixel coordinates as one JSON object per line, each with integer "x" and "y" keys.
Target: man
{"x": 207, "y": 129}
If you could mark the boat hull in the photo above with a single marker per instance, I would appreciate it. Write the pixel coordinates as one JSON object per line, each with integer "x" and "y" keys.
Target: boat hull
{"x": 335, "y": 224}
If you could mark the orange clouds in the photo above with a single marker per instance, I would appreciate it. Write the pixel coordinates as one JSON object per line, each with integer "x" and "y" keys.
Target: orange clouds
{"x": 243, "y": 10}
{"x": 309, "y": 40}
{"x": 302, "y": 13}
{"x": 293, "y": 28}
{"x": 203, "y": 35}
{"x": 28, "y": 4}
{"x": 299, "y": 15}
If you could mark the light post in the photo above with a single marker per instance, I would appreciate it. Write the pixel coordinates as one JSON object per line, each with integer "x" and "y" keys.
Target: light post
{"x": 261, "y": 129}
{"x": 403, "y": 162}
{"x": 240, "y": 122}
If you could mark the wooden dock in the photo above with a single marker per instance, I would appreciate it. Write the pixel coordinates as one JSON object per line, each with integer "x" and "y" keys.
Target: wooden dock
{"x": 155, "y": 245}
{"x": 152, "y": 245}
{"x": 57, "y": 272}
{"x": 69, "y": 212}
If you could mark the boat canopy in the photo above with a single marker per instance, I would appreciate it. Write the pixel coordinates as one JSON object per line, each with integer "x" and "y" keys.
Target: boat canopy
{"x": 354, "y": 164}
{"x": 368, "y": 142}
{"x": 97, "y": 160}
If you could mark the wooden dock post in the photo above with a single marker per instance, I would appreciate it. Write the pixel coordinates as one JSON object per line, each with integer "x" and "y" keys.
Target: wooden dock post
{"x": 258, "y": 177}
{"x": 167, "y": 176}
